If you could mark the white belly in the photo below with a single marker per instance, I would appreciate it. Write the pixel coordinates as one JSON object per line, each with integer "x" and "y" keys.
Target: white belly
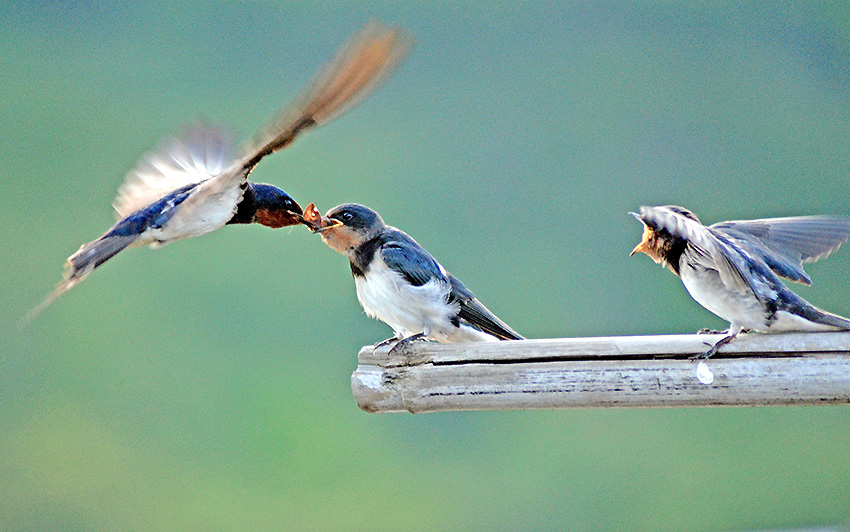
{"x": 198, "y": 215}
{"x": 742, "y": 311}
{"x": 408, "y": 309}
{"x": 385, "y": 295}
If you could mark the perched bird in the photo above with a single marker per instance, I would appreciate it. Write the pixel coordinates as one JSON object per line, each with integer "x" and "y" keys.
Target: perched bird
{"x": 194, "y": 184}
{"x": 401, "y": 284}
{"x": 733, "y": 268}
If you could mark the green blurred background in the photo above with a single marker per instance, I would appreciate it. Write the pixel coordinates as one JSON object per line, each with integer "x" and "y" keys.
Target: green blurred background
{"x": 205, "y": 386}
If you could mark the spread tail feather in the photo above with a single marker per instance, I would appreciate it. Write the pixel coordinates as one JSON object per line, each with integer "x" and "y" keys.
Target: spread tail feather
{"x": 79, "y": 265}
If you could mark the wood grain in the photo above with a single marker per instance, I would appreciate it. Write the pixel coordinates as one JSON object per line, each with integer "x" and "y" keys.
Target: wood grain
{"x": 636, "y": 371}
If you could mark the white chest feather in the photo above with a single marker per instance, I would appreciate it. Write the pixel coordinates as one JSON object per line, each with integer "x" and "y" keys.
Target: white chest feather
{"x": 741, "y": 310}
{"x": 707, "y": 289}
{"x": 203, "y": 212}
{"x": 387, "y": 296}
{"x": 408, "y": 309}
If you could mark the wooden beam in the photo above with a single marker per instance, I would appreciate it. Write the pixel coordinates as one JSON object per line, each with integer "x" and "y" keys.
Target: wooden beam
{"x": 636, "y": 371}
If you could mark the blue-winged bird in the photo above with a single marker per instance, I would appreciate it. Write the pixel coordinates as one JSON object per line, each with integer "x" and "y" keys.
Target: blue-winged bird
{"x": 195, "y": 184}
{"x": 733, "y": 268}
{"x": 401, "y": 284}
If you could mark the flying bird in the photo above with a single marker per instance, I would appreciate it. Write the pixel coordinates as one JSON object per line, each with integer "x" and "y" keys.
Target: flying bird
{"x": 733, "y": 268}
{"x": 401, "y": 284}
{"x": 194, "y": 183}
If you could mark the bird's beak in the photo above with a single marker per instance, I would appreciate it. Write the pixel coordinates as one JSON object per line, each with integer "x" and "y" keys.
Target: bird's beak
{"x": 643, "y": 247}
{"x": 316, "y": 222}
{"x": 327, "y": 223}
{"x": 639, "y": 248}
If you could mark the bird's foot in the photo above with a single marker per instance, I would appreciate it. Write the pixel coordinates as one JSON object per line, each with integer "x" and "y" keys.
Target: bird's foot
{"x": 388, "y": 341}
{"x": 402, "y": 344}
{"x": 712, "y": 331}
{"x": 720, "y": 343}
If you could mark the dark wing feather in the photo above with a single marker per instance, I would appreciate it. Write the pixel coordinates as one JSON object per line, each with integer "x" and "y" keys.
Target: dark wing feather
{"x": 785, "y": 244}
{"x": 123, "y": 234}
{"x": 362, "y": 64}
{"x": 406, "y": 257}
{"x": 477, "y": 315}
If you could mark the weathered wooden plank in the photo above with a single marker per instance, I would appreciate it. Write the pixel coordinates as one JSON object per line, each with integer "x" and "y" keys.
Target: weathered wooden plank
{"x": 648, "y": 371}
{"x": 668, "y": 346}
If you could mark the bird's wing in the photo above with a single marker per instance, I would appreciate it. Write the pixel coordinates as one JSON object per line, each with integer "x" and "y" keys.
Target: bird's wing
{"x": 704, "y": 249}
{"x": 361, "y": 65}
{"x": 477, "y": 315}
{"x": 785, "y": 244}
{"x": 204, "y": 153}
{"x": 407, "y": 258}
{"x": 200, "y": 153}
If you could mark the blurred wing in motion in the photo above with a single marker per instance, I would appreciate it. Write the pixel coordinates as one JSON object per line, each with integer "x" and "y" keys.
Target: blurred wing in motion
{"x": 201, "y": 152}
{"x": 361, "y": 65}
{"x": 192, "y": 184}
{"x": 785, "y": 244}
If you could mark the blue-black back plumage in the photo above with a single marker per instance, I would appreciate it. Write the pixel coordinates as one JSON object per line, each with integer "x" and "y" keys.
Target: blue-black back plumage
{"x": 405, "y": 256}
{"x": 153, "y": 216}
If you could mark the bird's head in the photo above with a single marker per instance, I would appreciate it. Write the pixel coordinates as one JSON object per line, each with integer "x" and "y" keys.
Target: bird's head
{"x": 663, "y": 233}
{"x": 275, "y": 208}
{"x": 345, "y": 227}
{"x": 650, "y": 241}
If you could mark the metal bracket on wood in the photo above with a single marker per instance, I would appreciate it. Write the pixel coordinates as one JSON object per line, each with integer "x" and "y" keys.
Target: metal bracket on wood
{"x": 636, "y": 371}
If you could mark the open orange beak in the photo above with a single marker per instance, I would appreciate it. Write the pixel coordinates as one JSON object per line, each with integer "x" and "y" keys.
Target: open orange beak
{"x": 640, "y": 248}
{"x": 643, "y": 247}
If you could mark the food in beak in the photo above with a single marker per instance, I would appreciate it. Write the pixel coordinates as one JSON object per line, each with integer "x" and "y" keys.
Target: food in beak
{"x": 312, "y": 217}
{"x": 316, "y": 221}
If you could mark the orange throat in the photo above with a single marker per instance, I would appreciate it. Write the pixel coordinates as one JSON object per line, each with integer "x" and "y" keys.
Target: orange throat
{"x": 342, "y": 239}
{"x": 274, "y": 219}
{"x": 650, "y": 246}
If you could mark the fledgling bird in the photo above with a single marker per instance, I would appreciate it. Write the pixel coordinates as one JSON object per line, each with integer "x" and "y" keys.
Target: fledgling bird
{"x": 401, "y": 284}
{"x": 194, "y": 184}
{"x": 733, "y": 268}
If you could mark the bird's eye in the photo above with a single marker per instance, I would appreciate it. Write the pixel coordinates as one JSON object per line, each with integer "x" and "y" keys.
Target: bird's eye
{"x": 347, "y": 216}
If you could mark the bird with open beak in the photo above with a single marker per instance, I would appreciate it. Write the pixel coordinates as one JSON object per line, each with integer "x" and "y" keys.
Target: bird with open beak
{"x": 733, "y": 268}
{"x": 194, "y": 184}
{"x": 401, "y": 284}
